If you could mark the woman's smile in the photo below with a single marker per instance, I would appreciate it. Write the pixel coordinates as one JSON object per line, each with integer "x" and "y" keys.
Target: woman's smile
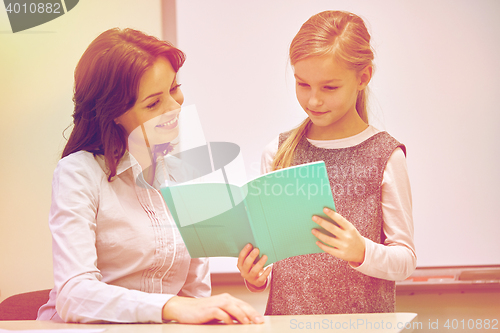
{"x": 169, "y": 123}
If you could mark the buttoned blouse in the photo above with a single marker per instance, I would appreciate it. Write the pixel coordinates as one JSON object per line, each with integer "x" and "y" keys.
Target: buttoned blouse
{"x": 117, "y": 254}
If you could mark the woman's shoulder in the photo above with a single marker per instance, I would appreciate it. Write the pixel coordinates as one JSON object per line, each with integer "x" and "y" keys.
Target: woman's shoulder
{"x": 79, "y": 159}
{"x": 81, "y": 162}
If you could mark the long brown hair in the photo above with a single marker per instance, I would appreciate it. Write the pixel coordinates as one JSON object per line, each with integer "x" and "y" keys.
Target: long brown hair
{"x": 342, "y": 35}
{"x": 107, "y": 81}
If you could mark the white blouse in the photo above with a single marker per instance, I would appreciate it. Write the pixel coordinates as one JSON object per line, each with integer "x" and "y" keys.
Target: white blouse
{"x": 117, "y": 254}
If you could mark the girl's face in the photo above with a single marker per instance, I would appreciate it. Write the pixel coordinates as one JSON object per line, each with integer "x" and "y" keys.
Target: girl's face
{"x": 157, "y": 107}
{"x": 327, "y": 92}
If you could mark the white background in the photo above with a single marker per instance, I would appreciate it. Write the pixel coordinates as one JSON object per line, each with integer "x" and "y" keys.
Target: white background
{"x": 435, "y": 89}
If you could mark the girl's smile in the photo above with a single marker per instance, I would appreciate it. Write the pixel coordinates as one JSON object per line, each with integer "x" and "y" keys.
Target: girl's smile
{"x": 317, "y": 113}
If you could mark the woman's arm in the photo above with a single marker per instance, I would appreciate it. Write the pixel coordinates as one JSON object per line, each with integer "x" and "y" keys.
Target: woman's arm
{"x": 81, "y": 295}
{"x": 198, "y": 279}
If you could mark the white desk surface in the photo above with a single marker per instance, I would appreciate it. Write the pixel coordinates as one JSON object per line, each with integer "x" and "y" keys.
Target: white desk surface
{"x": 373, "y": 322}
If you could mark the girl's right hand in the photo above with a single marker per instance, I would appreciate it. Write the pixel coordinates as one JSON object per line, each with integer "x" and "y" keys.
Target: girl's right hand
{"x": 252, "y": 272}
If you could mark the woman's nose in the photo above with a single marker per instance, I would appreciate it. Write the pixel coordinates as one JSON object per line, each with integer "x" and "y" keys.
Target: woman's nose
{"x": 173, "y": 104}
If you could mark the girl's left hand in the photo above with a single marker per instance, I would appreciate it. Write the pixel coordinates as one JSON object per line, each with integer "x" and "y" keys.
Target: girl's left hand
{"x": 347, "y": 243}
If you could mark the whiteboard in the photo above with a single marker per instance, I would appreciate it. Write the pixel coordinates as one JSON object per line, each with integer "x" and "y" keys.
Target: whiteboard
{"x": 434, "y": 89}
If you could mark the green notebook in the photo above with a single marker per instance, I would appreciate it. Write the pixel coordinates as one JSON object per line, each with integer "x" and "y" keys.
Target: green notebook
{"x": 272, "y": 212}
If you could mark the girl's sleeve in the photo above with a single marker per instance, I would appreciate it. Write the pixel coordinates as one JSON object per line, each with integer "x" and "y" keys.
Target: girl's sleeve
{"x": 81, "y": 295}
{"x": 268, "y": 154}
{"x": 395, "y": 259}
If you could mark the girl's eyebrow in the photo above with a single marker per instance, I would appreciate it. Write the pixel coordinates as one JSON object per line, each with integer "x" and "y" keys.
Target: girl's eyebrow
{"x": 322, "y": 82}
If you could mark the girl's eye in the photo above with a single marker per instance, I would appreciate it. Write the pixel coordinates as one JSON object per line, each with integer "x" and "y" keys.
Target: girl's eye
{"x": 152, "y": 105}
{"x": 302, "y": 84}
{"x": 330, "y": 88}
{"x": 174, "y": 88}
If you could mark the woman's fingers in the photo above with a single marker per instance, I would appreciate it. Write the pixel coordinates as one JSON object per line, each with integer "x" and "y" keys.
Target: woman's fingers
{"x": 237, "y": 309}
{"x": 223, "y": 307}
{"x": 223, "y": 316}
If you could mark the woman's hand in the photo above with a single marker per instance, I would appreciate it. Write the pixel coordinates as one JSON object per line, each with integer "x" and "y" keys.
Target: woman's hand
{"x": 347, "y": 243}
{"x": 253, "y": 273}
{"x": 223, "y": 307}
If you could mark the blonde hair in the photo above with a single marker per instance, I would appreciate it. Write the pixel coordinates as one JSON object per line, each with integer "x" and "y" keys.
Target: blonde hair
{"x": 342, "y": 35}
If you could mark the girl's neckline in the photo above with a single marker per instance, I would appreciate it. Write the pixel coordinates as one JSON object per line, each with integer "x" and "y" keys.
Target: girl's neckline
{"x": 345, "y": 142}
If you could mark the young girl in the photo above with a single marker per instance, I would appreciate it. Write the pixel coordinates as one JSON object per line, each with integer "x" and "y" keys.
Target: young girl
{"x": 118, "y": 256}
{"x": 373, "y": 244}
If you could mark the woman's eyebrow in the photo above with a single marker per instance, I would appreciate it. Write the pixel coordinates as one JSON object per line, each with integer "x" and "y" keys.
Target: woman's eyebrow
{"x": 152, "y": 95}
{"x": 160, "y": 92}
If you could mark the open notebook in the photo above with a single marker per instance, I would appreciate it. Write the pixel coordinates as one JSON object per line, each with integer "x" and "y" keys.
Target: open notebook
{"x": 272, "y": 212}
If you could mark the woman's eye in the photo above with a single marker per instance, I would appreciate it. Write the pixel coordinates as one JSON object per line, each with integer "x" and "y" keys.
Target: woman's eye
{"x": 174, "y": 88}
{"x": 302, "y": 84}
{"x": 152, "y": 105}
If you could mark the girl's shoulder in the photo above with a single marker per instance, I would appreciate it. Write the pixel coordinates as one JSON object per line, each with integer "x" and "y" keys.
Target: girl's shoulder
{"x": 283, "y": 136}
{"x": 268, "y": 154}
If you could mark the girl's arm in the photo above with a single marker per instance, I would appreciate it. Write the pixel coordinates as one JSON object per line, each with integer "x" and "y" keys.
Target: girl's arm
{"x": 395, "y": 259}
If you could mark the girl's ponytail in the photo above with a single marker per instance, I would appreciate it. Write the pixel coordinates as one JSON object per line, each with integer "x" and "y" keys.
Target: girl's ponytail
{"x": 284, "y": 156}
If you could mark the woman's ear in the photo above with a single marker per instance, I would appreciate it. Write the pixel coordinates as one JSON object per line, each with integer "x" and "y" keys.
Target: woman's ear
{"x": 365, "y": 76}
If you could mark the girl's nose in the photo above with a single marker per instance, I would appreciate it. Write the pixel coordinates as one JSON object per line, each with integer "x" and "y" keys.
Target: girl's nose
{"x": 315, "y": 99}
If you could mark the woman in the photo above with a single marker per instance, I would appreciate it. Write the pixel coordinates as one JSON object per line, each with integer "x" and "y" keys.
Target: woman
{"x": 117, "y": 254}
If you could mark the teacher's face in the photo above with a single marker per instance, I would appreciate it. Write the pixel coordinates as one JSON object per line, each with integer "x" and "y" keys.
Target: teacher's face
{"x": 158, "y": 105}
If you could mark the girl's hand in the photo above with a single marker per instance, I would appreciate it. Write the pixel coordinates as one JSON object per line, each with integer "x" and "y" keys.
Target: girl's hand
{"x": 223, "y": 307}
{"x": 347, "y": 243}
{"x": 253, "y": 273}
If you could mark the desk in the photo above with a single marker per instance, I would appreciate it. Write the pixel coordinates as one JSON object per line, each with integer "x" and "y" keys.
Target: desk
{"x": 372, "y": 322}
